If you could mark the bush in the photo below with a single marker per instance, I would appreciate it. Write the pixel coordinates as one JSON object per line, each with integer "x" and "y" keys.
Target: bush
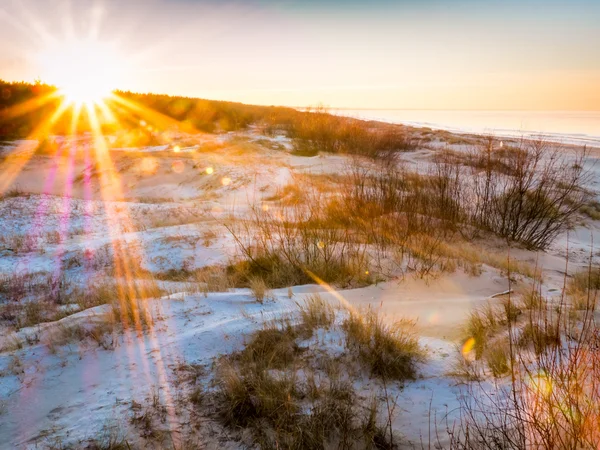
{"x": 296, "y": 244}
{"x": 534, "y": 198}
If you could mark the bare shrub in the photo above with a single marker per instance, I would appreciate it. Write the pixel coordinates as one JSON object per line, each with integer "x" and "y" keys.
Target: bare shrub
{"x": 551, "y": 399}
{"x": 534, "y": 195}
{"x": 295, "y": 244}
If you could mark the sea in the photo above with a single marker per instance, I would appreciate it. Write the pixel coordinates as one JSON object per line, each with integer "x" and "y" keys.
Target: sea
{"x": 567, "y": 127}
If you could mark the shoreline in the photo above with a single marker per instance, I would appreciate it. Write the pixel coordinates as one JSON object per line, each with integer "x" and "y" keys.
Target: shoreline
{"x": 570, "y": 140}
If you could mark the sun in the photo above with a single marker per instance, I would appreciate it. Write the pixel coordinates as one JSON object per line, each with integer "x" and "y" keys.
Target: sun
{"x": 85, "y": 71}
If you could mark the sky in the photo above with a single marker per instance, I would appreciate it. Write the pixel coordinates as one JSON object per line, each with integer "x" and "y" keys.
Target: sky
{"x": 427, "y": 54}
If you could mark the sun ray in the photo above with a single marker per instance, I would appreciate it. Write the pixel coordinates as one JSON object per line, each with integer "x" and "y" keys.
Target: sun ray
{"x": 152, "y": 116}
{"x": 125, "y": 267}
{"x": 18, "y": 158}
{"x": 106, "y": 112}
{"x": 29, "y": 105}
{"x": 64, "y": 219}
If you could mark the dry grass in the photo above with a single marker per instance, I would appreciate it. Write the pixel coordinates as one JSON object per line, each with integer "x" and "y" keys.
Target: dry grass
{"x": 470, "y": 256}
{"x": 274, "y": 346}
{"x": 550, "y": 401}
{"x": 249, "y": 396}
{"x": 583, "y": 289}
{"x": 270, "y": 389}
{"x": 112, "y": 437}
{"x": 586, "y": 280}
{"x": 213, "y": 279}
{"x": 484, "y": 322}
{"x": 497, "y": 357}
{"x": 591, "y": 210}
{"x": 316, "y": 312}
{"x": 539, "y": 336}
{"x": 272, "y": 406}
{"x": 390, "y": 351}
{"x": 259, "y": 289}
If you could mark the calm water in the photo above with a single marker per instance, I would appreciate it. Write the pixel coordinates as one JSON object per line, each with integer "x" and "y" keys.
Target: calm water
{"x": 569, "y": 127}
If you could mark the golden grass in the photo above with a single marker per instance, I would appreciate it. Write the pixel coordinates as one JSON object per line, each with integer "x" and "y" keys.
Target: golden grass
{"x": 316, "y": 312}
{"x": 388, "y": 350}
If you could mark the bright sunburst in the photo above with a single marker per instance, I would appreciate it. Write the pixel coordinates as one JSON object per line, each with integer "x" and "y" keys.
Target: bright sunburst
{"x": 86, "y": 71}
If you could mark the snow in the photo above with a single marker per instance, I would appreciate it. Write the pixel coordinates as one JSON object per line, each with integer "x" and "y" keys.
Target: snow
{"x": 73, "y": 391}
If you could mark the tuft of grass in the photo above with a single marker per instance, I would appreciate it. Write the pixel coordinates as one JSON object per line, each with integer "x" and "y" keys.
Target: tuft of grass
{"x": 485, "y": 321}
{"x": 63, "y": 334}
{"x": 259, "y": 289}
{"x": 128, "y": 300}
{"x": 13, "y": 342}
{"x": 213, "y": 279}
{"x": 470, "y": 257}
{"x": 13, "y": 192}
{"x": 316, "y": 312}
{"x": 592, "y": 210}
{"x": 112, "y": 437}
{"x": 34, "y": 313}
{"x": 583, "y": 289}
{"x": 586, "y": 280}
{"x": 497, "y": 357}
{"x": 15, "y": 365}
{"x": 532, "y": 299}
{"x": 465, "y": 368}
{"x": 132, "y": 313}
{"x": 273, "y": 346}
{"x": 539, "y": 336}
{"x": 389, "y": 350}
{"x": 259, "y": 388}
{"x": 248, "y": 397}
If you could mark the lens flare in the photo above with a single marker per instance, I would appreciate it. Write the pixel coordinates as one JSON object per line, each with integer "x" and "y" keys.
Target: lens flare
{"x": 177, "y": 166}
{"x": 149, "y": 166}
{"x": 541, "y": 384}
{"x": 468, "y": 349}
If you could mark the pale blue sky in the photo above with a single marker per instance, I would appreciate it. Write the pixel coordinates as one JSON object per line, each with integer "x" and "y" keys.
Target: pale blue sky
{"x": 465, "y": 54}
